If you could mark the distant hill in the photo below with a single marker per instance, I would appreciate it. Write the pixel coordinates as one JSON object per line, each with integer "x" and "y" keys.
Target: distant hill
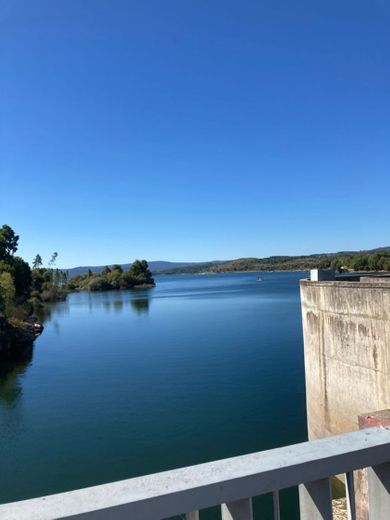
{"x": 354, "y": 260}
{"x": 367, "y": 260}
{"x": 156, "y": 266}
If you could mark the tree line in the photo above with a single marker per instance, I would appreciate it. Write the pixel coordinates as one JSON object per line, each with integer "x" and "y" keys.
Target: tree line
{"x": 344, "y": 261}
{"x": 24, "y": 290}
{"x": 114, "y": 278}
{"x": 358, "y": 262}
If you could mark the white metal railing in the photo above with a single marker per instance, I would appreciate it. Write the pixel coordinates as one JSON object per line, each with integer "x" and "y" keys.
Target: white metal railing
{"x": 231, "y": 483}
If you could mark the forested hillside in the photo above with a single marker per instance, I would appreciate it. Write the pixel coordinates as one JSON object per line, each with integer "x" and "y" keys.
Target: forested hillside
{"x": 374, "y": 260}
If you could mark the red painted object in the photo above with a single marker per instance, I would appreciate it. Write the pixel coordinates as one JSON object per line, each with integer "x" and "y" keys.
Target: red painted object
{"x": 368, "y": 420}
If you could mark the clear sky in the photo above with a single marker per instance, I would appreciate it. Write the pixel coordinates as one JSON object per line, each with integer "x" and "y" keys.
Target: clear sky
{"x": 194, "y": 129}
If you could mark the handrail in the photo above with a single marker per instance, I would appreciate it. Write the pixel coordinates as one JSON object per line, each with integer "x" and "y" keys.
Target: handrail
{"x": 169, "y": 493}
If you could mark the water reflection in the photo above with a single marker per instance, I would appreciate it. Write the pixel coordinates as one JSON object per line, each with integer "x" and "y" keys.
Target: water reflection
{"x": 15, "y": 363}
{"x": 140, "y": 305}
{"x": 12, "y": 366}
{"x": 49, "y": 312}
{"x": 118, "y": 306}
{"x": 119, "y": 301}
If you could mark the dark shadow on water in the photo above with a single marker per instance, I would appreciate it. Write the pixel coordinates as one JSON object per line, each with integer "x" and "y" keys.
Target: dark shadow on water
{"x": 15, "y": 361}
{"x": 50, "y": 311}
{"x": 140, "y": 305}
{"x": 138, "y": 300}
{"x": 117, "y": 305}
{"x": 12, "y": 366}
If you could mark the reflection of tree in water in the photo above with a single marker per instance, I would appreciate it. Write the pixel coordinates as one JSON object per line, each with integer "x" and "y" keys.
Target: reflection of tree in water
{"x": 49, "y": 312}
{"x": 140, "y": 305}
{"x": 15, "y": 361}
{"x": 118, "y": 306}
{"x": 12, "y": 365}
{"x": 114, "y": 301}
{"x": 119, "y": 301}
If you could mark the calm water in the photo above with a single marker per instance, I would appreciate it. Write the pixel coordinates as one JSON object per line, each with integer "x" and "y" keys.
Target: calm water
{"x": 126, "y": 383}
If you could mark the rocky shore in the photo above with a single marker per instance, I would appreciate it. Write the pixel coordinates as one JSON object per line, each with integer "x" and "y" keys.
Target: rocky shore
{"x": 16, "y": 334}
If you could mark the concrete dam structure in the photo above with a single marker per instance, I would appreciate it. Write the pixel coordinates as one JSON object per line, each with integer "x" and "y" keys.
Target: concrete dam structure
{"x": 346, "y": 327}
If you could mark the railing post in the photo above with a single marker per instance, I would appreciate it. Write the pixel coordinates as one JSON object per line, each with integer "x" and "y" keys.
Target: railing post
{"x": 194, "y": 515}
{"x": 237, "y": 510}
{"x": 315, "y": 500}
{"x": 350, "y": 495}
{"x": 379, "y": 491}
{"x": 275, "y": 499}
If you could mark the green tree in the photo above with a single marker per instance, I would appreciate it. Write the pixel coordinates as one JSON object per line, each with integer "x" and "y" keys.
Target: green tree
{"x": 53, "y": 259}
{"x": 324, "y": 263}
{"x": 114, "y": 278}
{"x": 99, "y": 284}
{"x": 336, "y": 264}
{"x": 37, "y": 262}
{"x": 7, "y": 293}
{"x": 106, "y": 270}
{"x": 140, "y": 271}
{"x": 360, "y": 263}
{"x": 22, "y": 277}
{"x": 8, "y": 242}
{"x": 57, "y": 277}
{"x": 375, "y": 262}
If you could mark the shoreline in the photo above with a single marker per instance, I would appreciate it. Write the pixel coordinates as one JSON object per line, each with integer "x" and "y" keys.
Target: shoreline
{"x": 236, "y": 272}
{"x": 17, "y": 334}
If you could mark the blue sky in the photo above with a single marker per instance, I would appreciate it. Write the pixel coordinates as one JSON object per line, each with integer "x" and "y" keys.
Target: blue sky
{"x": 194, "y": 129}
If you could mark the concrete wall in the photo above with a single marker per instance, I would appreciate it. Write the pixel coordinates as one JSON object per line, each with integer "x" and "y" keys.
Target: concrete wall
{"x": 346, "y": 327}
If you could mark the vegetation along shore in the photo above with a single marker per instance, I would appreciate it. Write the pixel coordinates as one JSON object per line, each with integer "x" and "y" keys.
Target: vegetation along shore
{"x": 25, "y": 291}
{"x": 373, "y": 260}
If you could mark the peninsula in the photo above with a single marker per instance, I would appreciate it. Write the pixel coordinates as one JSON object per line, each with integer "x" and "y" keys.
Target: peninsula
{"x": 25, "y": 291}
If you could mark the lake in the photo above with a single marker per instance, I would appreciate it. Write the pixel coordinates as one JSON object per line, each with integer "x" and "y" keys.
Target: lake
{"x": 126, "y": 383}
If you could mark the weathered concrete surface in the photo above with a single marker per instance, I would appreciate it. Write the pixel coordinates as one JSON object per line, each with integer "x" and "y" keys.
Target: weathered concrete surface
{"x": 346, "y": 328}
